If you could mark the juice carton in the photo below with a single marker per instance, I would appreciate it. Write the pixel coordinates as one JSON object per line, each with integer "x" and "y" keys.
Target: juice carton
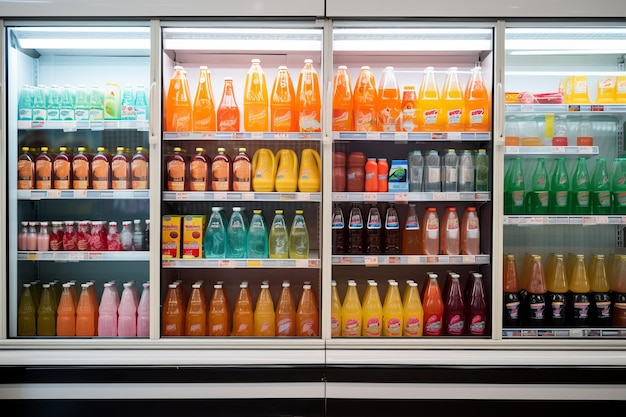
{"x": 193, "y": 227}
{"x": 398, "y": 176}
{"x": 170, "y": 244}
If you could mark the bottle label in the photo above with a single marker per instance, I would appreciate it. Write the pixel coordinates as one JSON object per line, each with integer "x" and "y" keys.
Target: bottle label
{"x": 81, "y": 174}
{"x": 476, "y": 116}
{"x": 66, "y": 114}
{"x": 370, "y": 175}
{"x": 119, "y": 174}
{"x": 561, "y": 198}
{"x": 620, "y": 198}
{"x": 393, "y": 327}
{"x": 430, "y": 116}
{"x": 284, "y": 326}
{"x": 220, "y": 175}
{"x": 351, "y": 327}
{"x": 453, "y": 225}
{"x": 433, "y": 325}
{"x": 25, "y": 114}
{"x": 472, "y": 224}
{"x": 198, "y": 172}
{"x": 372, "y": 327}
{"x": 477, "y": 325}
{"x": 356, "y": 222}
{"x": 454, "y": 116}
{"x": 139, "y": 169}
{"x": 365, "y": 120}
{"x": 334, "y": 326}
{"x": 176, "y": 176}
{"x": 451, "y": 174}
{"x": 412, "y": 223}
{"x": 341, "y": 119}
{"x": 512, "y": 310}
{"x": 392, "y": 223}
{"x": 434, "y": 174}
{"x": 338, "y": 222}
{"x": 43, "y": 169}
{"x": 583, "y": 198}
{"x": 96, "y": 114}
{"x": 603, "y": 309}
{"x": 309, "y": 121}
{"x": 518, "y": 198}
{"x": 432, "y": 228}
{"x": 374, "y": 222}
{"x": 412, "y": 326}
{"x": 61, "y": 174}
{"x": 537, "y": 311}
{"x": 456, "y": 325}
{"x": 558, "y": 310}
{"x": 581, "y": 310}
{"x": 604, "y": 198}
{"x": 25, "y": 174}
{"x": 543, "y": 198}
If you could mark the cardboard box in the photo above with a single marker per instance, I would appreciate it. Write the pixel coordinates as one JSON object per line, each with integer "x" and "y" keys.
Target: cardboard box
{"x": 171, "y": 236}
{"x": 193, "y": 235}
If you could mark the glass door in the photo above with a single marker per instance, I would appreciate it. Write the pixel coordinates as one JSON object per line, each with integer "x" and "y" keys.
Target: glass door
{"x": 78, "y": 186}
{"x": 563, "y": 185}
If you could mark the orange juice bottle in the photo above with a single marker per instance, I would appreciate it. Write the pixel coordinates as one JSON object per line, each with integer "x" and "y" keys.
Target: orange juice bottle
{"x": 433, "y": 307}
{"x": 393, "y": 311}
{"x": 477, "y": 103}
{"x": 243, "y": 314}
{"x": 242, "y": 171}
{"x": 62, "y": 170}
{"x": 255, "y": 99}
{"x": 264, "y": 315}
{"x": 285, "y": 312}
{"x": 26, "y": 313}
{"x": 579, "y": 90}
{"x": 25, "y": 170}
{"x": 410, "y": 118}
{"x": 46, "y": 313}
{"x": 343, "y": 101}
{"x": 413, "y": 312}
{"x": 365, "y": 101}
{"x": 606, "y": 91}
{"x": 196, "y": 314}
{"x": 389, "y": 102}
{"x": 199, "y": 171}
{"x": 80, "y": 170}
{"x": 173, "y": 317}
{"x": 307, "y": 314}
{"x": 430, "y": 232}
{"x": 228, "y": 117}
{"x": 120, "y": 170}
{"x": 101, "y": 170}
{"x": 85, "y": 313}
{"x": 221, "y": 171}
{"x": 176, "y": 171}
{"x": 43, "y": 170}
{"x": 66, "y": 313}
{"x": 178, "y": 109}
{"x": 283, "y": 116}
{"x": 620, "y": 89}
{"x": 351, "y": 312}
{"x": 204, "y": 119}
{"x": 139, "y": 168}
{"x": 335, "y": 311}
{"x": 372, "y": 311}
{"x": 452, "y": 102}
{"x": 218, "y": 316}
{"x": 429, "y": 112}
{"x": 308, "y": 100}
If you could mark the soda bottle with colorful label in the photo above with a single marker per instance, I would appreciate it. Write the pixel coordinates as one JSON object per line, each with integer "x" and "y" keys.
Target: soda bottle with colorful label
{"x": 356, "y": 231}
{"x": 453, "y": 103}
{"x": 243, "y": 313}
{"x": 264, "y": 315}
{"x": 514, "y": 188}
{"x": 308, "y": 99}
{"x": 454, "y": 308}
{"x": 178, "y": 106}
{"x": 285, "y": 312}
{"x": 557, "y": 298}
{"x": 204, "y": 118}
{"x": 339, "y": 231}
{"x": 618, "y": 186}
{"x": 389, "y": 102}
{"x": 255, "y": 103}
{"x": 413, "y": 312}
{"x": 410, "y": 118}
{"x": 580, "y": 291}
{"x": 335, "y": 311}
{"x": 218, "y": 316}
{"x": 511, "y": 302}
{"x": 196, "y": 314}
{"x": 391, "y": 236}
{"x": 581, "y": 187}
{"x": 351, "y": 312}
{"x": 365, "y": 101}
{"x": 393, "y": 313}
{"x": 307, "y": 314}
{"x": 429, "y": 112}
{"x": 450, "y": 233}
{"x": 25, "y": 170}
{"x": 430, "y": 234}
{"x": 601, "y": 310}
{"x": 539, "y": 197}
{"x": 372, "y": 311}
{"x": 600, "y": 195}
{"x": 343, "y": 101}
{"x": 374, "y": 232}
{"x": 535, "y": 301}
{"x": 477, "y": 103}
{"x": 433, "y": 307}
{"x": 559, "y": 189}
{"x": 411, "y": 235}
{"x": 85, "y": 313}
{"x": 283, "y": 117}
{"x": 477, "y": 309}
{"x": 228, "y": 116}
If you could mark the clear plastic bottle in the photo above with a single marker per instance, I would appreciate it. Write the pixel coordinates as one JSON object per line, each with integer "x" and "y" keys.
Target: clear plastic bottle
{"x": 236, "y": 235}
{"x": 40, "y": 107}
{"x": 126, "y": 236}
{"x": 128, "y": 103}
{"x": 141, "y": 103}
{"x": 67, "y": 111}
{"x": 450, "y": 171}
{"x": 285, "y": 312}
{"x": 54, "y": 103}
{"x": 96, "y": 103}
{"x": 114, "y": 242}
{"x": 450, "y": 232}
{"x": 466, "y": 177}
{"x": 137, "y": 235}
{"x": 127, "y": 312}
{"x": 43, "y": 239}
{"x": 482, "y": 170}
{"x": 278, "y": 237}
{"x": 25, "y": 104}
{"x": 258, "y": 245}
{"x": 307, "y": 314}
{"x": 416, "y": 170}
{"x": 299, "y": 237}
{"x": 143, "y": 312}
{"x": 432, "y": 171}
{"x": 215, "y": 234}
{"x": 81, "y": 106}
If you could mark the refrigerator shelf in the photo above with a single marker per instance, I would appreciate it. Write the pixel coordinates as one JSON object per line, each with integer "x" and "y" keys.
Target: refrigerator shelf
{"x": 586, "y": 220}
{"x": 240, "y": 135}
{"x": 94, "y": 125}
{"x": 381, "y": 260}
{"x": 83, "y": 194}
{"x": 239, "y": 196}
{"x": 78, "y": 256}
{"x": 312, "y": 262}
{"x": 413, "y": 196}
{"x": 570, "y": 333}
{"x": 565, "y": 108}
{"x": 552, "y": 150}
{"x": 410, "y": 136}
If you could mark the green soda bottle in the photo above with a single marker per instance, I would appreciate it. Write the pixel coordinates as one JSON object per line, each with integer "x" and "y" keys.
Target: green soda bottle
{"x": 600, "y": 189}
{"x": 618, "y": 186}
{"x": 26, "y": 320}
{"x": 299, "y": 237}
{"x": 482, "y": 170}
{"x": 278, "y": 237}
{"x": 514, "y": 188}
{"x": 46, "y": 314}
{"x": 580, "y": 189}
{"x": 538, "y": 199}
{"x": 559, "y": 189}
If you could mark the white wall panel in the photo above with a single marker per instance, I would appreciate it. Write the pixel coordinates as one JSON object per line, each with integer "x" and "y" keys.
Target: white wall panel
{"x": 160, "y": 8}
{"x": 477, "y": 8}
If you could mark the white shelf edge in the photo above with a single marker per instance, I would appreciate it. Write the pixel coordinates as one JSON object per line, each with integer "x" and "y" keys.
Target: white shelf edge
{"x": 82, "y": 256}
{"x": 410, "y": 260}
{"x": 296, "y": 197}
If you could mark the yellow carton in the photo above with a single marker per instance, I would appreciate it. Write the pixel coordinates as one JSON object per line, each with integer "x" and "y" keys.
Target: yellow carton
{"x": 171, "y": 235}
{"x": 193, "y": 229}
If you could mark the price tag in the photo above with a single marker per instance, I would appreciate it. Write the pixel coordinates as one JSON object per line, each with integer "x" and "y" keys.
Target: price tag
{"x": 303, "y": 196}
{"x": 413, "y": 260}
{"x": 220, "y": 196}
{"x": 107, "y": 194}
{"x": 224, "y": 263}
{"x": 456, "y": 259}
{"x": 182, "y": 196}
{"x": 340, "y": 197}
{"x": 281, "y": 135}
{"x": 370, "y": 196}
{"x": 549, "y": 125}
{"x": 302, "y": 263}
{"x": 371, "y": 261}
{"x": 439, "y": 196}
{"x": 234, "y": 196}
{"x": 453, "y": 196}
{"x": 558, "y": 149}
{"x": 247, "y": 196}
{"x": 69, "y": 126}
{"x": 454, "y": 135}
{"x": 585, "y": 149}
{"x": 96, "y": 126}
{"x": 402, "y": 136}
{"x": 372, "y": 135}
{"x": 432, "y": 259}
{"x": 80, "y": 193}
{"x": 256, "y": 135}
{"x": 54, "y": 193}
{"x": 511, "y": 149}
{"x": 575, "y": 220}
{"x": 537, "y": 220}
{"x": 345, "y": 260}
{"x": 401, "y": 197}
{"x": 589, "y": 220}
{"x": 76, "y": 256}
{"x": 394, "y": 260}
{"x": 469, "y": 259}
{"x": 94, "y": 256}
{"x": 167, "y": 264}
{"x": 561, "y": 220}
{"x": 32, "y": 256}
{"x": 38, "y": 195}
{"x": 602, "y": 220}
{"x": 314, "y": 263}
{"x": 623, "y": 219}
{"x": 254, "y": 263}
{"x": 524, "y": 220}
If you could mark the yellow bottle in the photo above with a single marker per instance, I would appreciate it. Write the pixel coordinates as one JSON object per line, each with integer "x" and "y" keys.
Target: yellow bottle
{"x": 579, "y": 282}
{"x": 597, "y": 274}
{"x": 351, "y": 312}
{"x": 286, "y": 171}
{"x": 372, "y": 311}
{"x": 392, "y": 311}
{"x": 580, "y": 91}
{"x": 46, "y": 313}
{"x": 620, "y": 89}
{"x": 263, "y": 170}
{"x": 606, "y": 91}
{"x": 556, "y": 281}
{"x": 406, "y": 292}
{"x": 26, "y": 314}
{"x": 335, "y": 311}
{"x": 413, "y": 312}
{"x": 310, "y": 169}
{"x": 264, "y": 315}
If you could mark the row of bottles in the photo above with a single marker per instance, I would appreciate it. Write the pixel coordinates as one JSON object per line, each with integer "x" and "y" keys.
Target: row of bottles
{"x": 564, "y": 291}
{"x": 191, "y": 236}
{"x": 53, "y": 310}
{"x": 284, "y": 110}
{"x": 83, "y": 235}
{"x": 212, "y": 316}
{"x": 560, "y": 193}
{"x": 266, "y": 171}
{"x": 429, "y": 109}
{"x": 456, "y": 313}
{"x": 82, "y": 170}
{"x": 68, "y": 103}
{"x": 431, "y": 172}
{"x": 389, "y": 235}
{"x": 525, "y": 131}
{"x": 609, "y": 90}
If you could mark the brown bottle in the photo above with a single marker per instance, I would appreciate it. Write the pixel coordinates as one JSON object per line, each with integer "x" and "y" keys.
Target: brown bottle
{"x": 120, "y": 170}
{"x": 339, "y": 172}
{"x": 43, "y": 170}
{"x": 221, "y": 170}
{"x": 199, "y": 171}
{"x": 80, "y": 170}
{"x": 355, "y": 174}
{"x": 139, "y": 168}
{"x": 100, "y": 170}
{"x": 62, "y": 170}
{"x": 25, "y": 170}
{"x": 176, "y": 171}
{"x": 242, "y": 171}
